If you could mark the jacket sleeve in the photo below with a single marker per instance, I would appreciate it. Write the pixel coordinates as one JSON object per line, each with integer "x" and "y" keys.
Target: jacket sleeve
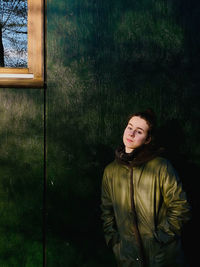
{"x": 178, "y": 209}
{"x": 108, "y": 217}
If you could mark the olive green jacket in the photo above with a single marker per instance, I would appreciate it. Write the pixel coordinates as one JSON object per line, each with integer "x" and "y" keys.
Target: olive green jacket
{"x": 159, "y": 211}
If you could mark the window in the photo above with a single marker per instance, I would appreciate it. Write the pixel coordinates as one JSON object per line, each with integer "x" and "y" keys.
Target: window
{"x": 22, "y": 65}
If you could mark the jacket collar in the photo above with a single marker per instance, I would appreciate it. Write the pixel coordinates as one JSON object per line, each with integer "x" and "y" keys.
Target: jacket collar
{"x": 138, "y": 157}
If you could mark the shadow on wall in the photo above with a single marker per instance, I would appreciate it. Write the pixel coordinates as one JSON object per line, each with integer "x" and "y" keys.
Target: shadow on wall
{"x": 21, "y": 177}
{"x": 96, "y": 78}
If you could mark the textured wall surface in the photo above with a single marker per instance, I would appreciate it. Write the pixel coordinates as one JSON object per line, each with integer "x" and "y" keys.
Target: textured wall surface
{"x": 21, "y": 177}
{"x": 105, "y": 60}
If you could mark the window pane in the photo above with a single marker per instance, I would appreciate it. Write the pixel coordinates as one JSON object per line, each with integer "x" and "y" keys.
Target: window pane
{"x": 13, "y": 33}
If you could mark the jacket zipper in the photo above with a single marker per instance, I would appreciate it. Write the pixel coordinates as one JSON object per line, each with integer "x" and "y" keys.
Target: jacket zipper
{"x": 135, "y": 225}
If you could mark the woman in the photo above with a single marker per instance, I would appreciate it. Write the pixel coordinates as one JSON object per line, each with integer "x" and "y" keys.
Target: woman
{"x": 143, "y": 204}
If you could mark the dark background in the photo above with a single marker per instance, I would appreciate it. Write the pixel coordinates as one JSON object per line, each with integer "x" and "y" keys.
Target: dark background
{"x": 105, "y": 60}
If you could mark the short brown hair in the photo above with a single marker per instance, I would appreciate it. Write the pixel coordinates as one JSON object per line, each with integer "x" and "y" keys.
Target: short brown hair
{"x": 149, "y": 116}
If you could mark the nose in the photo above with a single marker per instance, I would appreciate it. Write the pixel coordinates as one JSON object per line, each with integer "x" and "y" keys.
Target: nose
{"x": 132, "y": 133}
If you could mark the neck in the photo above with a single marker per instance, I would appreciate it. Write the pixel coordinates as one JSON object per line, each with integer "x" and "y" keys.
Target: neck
{"x": 128, "y": 150}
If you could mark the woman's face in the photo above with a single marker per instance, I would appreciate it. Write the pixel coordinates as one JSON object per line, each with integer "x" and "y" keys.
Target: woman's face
{"x": 135, "y": 134}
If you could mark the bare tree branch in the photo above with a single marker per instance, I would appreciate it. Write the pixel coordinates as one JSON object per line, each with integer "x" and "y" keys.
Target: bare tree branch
{"x": 13, "y": 22}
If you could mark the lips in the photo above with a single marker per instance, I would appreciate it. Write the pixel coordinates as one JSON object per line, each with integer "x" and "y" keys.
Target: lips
{"x": 129, "y": 140}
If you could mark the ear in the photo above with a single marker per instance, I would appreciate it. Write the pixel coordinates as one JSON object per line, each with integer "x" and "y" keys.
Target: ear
{"x": 148, "y": 140}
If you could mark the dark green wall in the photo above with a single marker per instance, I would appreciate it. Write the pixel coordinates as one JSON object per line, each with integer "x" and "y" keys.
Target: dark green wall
{"x": 21, "y": 177}
{"x": 105, "y": 60}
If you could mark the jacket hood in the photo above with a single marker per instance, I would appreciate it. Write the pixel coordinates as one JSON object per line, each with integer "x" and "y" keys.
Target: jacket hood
{"x": 139, "y": 155}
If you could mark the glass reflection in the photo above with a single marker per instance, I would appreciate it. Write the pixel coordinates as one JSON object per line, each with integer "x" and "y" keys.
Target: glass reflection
{"x": 13, "y": 33}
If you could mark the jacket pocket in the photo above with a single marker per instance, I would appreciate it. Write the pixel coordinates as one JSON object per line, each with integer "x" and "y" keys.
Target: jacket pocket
{"x": 163, "y": 237}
